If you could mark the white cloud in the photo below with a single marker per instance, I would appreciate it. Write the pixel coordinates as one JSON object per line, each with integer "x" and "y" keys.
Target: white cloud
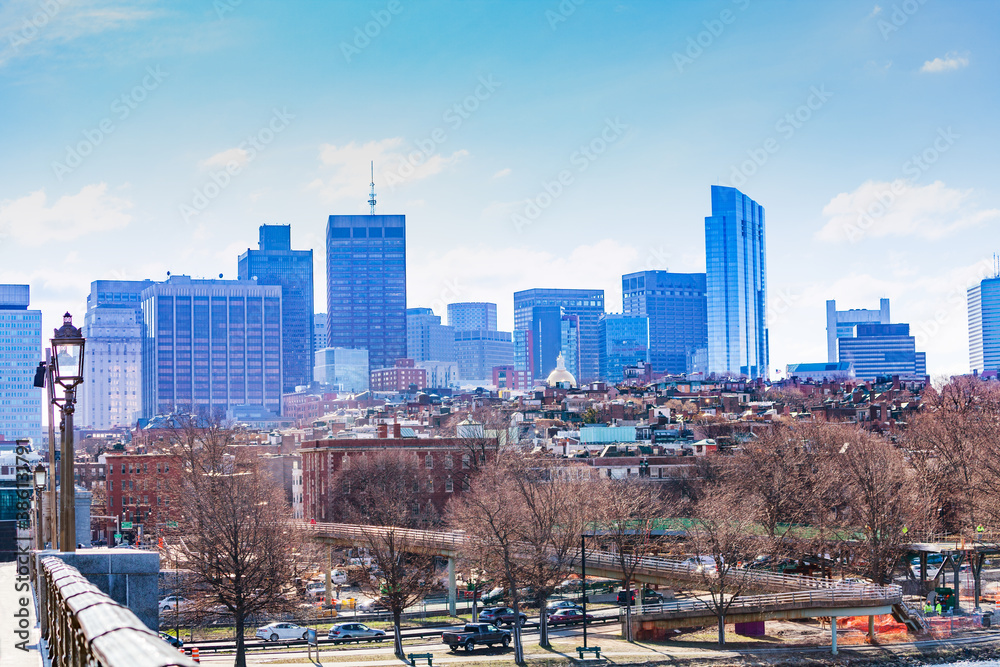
{"x": 900, "y": 208}
{"x": 502, "y": 173}
{"x": 31, "y": 221}
{"x": 951, "y": 61}
{"x": 876, "y": 10}
{"x": 222, "y": 159}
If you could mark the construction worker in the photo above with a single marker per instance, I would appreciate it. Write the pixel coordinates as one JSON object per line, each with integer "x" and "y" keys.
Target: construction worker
{"x": 937, "y": 607}
{"x": 979, "y": 532}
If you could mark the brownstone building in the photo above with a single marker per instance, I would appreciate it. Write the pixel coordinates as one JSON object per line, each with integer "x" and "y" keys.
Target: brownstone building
{"x": 139, "y": 487}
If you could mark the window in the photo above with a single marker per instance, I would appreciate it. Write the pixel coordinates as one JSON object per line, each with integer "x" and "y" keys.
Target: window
{"x": 429, "y": 461}
{"x": 123, "y": 467}
{"x": 166, "y": 467}
{"x": 416, "y": 486}
{"x": 448, "y": 462}
{"x": 465, "y": 483}
{"x": 465, "y": 461}
{"x": 158, "y": 467}
{"x": 430, "y": 486}
{"x": 449, "y": 486}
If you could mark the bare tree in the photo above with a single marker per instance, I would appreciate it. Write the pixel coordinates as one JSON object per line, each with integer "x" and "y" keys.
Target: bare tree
{"x": 381, "y": 492}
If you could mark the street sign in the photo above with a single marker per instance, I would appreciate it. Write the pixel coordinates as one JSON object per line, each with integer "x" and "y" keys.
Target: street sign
{"x": 118, "y": 537}
{"x": 171, "y": 524}
{"x": 126, "y": 525}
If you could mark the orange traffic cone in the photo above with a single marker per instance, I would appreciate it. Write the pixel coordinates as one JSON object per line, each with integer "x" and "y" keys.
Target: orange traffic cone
{"x": 194, "y": 655}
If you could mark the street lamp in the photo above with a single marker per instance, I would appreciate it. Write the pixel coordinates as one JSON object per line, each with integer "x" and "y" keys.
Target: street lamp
{"x": 39, "y": 487}
{"x": 66, "y": 370}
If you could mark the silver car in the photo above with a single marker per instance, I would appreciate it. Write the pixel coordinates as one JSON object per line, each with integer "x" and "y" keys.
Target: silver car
{"x": 354, "y": 632}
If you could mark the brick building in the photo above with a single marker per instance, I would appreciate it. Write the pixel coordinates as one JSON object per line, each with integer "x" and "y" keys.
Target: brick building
{"x": 138, "y": 490}
{"x": 398, "y": 378}
{"x": 508, "y": 377}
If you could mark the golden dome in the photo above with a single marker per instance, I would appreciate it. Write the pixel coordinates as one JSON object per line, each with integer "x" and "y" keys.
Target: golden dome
{"x": 561, "y": 375}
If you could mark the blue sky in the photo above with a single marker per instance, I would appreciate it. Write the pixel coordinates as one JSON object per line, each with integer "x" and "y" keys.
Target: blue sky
{"x": 530, "y": 144}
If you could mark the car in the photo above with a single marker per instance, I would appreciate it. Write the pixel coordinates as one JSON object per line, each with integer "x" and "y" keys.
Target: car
{"x": 170, "y": 639}
{"x": 278, "y": 631}
{"x": 483, "y": 634}
{"x": 494, "y": 595}
{"x": 649, "y": 596}
{"x": 501, "y": 615}
{"x": 354, "y": 631}
{"x": 567, "y": 615}
{"x": 174, "y": 603}
{"x": 561, "y": 604}
{"x": 315, "y": 589}
{"x": 373, "y": 606}
{"x": 701, "y": 564}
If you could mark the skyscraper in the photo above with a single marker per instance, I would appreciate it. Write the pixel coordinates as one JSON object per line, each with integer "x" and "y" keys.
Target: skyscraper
{"x": 428, "y": 339}
{"x": 881, "y": 350}
{"x": 210, "y": 346}
{"x": 586, "y": 305}
{"x": 111, "y": 395}
{"x": 984, "y": 325}
{"x": 20, "y": 352}
{"x": 478, "y": 351}
{"x": 675, "y": 306}
{"x": 736, "y": 285}
{"x": 624, "y": 342}
{"x": 472, "y": 315}
{"x": 275, "y": 263}
{"x": 366, "y": 285}
{"x": 319, "y": 332}
{"x": 841, "y": 323}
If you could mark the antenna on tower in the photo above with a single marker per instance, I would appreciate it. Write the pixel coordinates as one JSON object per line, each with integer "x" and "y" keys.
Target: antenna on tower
{"x": 371, "y": 197}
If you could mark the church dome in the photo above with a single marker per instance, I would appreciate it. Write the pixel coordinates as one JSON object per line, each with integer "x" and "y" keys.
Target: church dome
{"x": 560, "y": 375}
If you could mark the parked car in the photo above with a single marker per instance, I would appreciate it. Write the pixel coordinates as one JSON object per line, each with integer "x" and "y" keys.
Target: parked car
{"x": 701, "y": 564}
{"x": 170, "y": 639}
{"x": 355, "y": 632}
{"x": 278, "y": 631}
{"x": 649, "y": 596}
{"x": 561, "y": 604}
{"x": 501, "y": 615}
{"x": 483, "y": 634}
{"x": 494, "y": 595}
{"x": 315, "y": 589}
{"x": 174, "y": 602}
{"x": 567, "y": 615}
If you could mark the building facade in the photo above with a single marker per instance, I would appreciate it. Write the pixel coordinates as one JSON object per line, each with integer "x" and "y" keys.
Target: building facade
{"x": 139, "y": 490}
{"x": 472, "y": 315}
{"x": 210, "y": 346}
{"x": 675, "y": 306}
{"x": 343, "y": 368}
{"x": 883, "y": 350}
{"x": 984, "y": 325}
{"x": 440, "y": 374}
{"x": 508, "y": 377}
{"x": 586, "y": 305}
{"x": 20, "y": 352}
{"x": 841, "y": 323}
{"x": 111, "y": 394}
{"x": 479, "y": 350}
{"x": 624, "y": 342}
{"x": 319, "y": 331}
{"x": 426, "y": 338}
{"x": 736, "y": 285}
{"x": 275, "y": 263}
{"x": 366, "y": 285}
{"x": 401, "y": 377}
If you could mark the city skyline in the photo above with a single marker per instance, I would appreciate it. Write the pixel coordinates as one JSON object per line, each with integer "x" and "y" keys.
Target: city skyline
{"x": 872, "y": 153}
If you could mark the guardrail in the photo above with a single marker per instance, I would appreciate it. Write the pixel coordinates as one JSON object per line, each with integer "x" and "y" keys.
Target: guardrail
{"x": 83, "y": 627}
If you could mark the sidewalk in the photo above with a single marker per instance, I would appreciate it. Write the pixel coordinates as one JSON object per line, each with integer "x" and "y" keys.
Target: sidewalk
{"x": 17, "y": 650}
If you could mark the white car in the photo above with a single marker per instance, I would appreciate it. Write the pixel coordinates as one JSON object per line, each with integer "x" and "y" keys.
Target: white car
{"x": 701, "y": 564}
{"x": 174, "y": 603}
{"x": 278, "y": 631}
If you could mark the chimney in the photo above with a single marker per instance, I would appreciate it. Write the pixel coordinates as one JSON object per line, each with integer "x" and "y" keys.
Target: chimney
{"x": 383, "y": 431}
{"x": 396, "y": 430}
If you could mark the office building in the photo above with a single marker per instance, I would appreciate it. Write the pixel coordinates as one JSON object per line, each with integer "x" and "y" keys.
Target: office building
{"x": 586, "y": 305}
{"x": 403, "y": 376}
{"x": 676, "y": 307}
{"x": 20, "y": 352}
{"x": 211, "y": 346}
{"x": 841, "y": 323}
{"x": 569, "y": 343}
{"x": 472, "y": 315}
{"x": 342, "y": 368}
{"x": 111, "y": 394}
{"x": 366, "y": 285}
{"x": 736, "y": 285}
{"x": 817, "y": 372}
{"x": 428, "y": 339}
{"x": 479, "y": 350}
{"x": 883, "y": 350}
{"x": 624, "y": 342}
{"x": 508, "y": 377}
{"x": 984, "y": 325}
{"x": 440, "y": 374}
{"x": 319, "y": 332}
{"x": 275, "y": 263}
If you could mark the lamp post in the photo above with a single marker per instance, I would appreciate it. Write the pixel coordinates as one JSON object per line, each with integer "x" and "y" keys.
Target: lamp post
{"x": 67, "y": 371}
{"x": 583, "y": 579}
{"x": 39, "y": 487}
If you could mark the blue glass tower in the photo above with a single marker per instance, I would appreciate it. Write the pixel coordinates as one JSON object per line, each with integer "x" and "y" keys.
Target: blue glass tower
{"x": 675, "y": 305}
{"x": 624, "y": 342}
{"x": 736, "y": 282}
{"x": 20, "y": 352}
{"x": 275, "y": 263}
{"x": 539, "y": 347}
{"x": 366, "y": 285}
{"x": 984, "y": 325}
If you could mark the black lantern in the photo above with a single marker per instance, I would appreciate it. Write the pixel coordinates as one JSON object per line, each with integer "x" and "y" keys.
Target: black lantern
{"x": 40, "y": 474}
{"x": 67, "y": 354}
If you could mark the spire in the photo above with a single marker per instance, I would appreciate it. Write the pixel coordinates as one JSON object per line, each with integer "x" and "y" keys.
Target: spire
{"x": 371, "y": 197}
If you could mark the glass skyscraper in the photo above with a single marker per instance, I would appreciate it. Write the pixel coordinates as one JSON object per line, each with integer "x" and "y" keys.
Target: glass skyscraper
{"x": 736, "y": 285}
{"x": 426, "y": 338}
{"x": 675, "y": 306}
{"x": 587, "y": 305}
{"x": 883, "y": 350}
{"x": 841, "y": 323}
{"x": 624, "y": 342}
{"x": 210, "y": 346}
{"x": 984, "y": 325}
{"x": 275, "y": 263}
{"x": 20, "y": 352}
{"x": 471, "y": 315}
{"x": 366, "y": 285}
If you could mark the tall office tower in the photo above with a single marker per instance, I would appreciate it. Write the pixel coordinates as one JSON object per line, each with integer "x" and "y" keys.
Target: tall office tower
{"x": 479, "y": 350}
{"x": 569, "y": 343}
{"x": 736, "y": 285}
{"x": 880, "y": 350}
{"x": 841, "y": 323}
{"x": 587, "y": 305}
{"x": 347, "y": 370}
{"x": 111, "y": 394}
{"x": 20, "y": 352}
{"x": 428, "y": 339}
{"x": 211, "y": 346}
{"x": 624, "y": 342}
{"x": 275, "y": 263}
{"x": 472, "y": 315}
{"x": 984, "y": 325}
{"x": 319, "y": 332}
{"x": 676, "y": 307}
{"x": 366, "y": 285}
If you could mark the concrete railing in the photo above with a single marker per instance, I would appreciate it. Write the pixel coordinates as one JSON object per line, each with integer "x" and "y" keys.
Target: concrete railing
{"x": 83, "y": 627}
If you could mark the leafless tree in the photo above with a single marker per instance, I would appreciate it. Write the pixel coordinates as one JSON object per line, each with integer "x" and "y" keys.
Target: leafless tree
{"x": 381, "y": 492}
{"x": 488, "y": 433}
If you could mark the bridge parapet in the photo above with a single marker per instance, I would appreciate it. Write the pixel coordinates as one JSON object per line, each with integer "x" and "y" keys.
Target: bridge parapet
{"x": 84, "y": 627}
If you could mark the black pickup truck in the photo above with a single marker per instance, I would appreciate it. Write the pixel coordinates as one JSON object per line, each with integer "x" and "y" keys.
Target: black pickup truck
{"x": 476, "y": 634}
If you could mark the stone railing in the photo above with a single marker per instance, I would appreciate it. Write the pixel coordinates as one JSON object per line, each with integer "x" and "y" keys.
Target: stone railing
{"x": 83, "y": 627}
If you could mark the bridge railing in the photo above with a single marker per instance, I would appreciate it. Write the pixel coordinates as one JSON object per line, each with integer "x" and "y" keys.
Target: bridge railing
{"x": 85, "y": 628}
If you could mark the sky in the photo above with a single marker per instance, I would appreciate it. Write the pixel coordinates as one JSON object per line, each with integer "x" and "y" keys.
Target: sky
{"x": 551, "y": 143}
